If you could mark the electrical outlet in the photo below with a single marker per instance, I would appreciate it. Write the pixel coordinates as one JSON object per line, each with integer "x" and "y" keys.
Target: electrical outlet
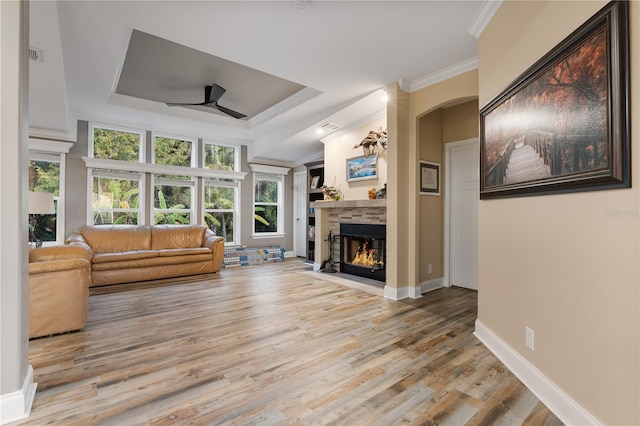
{"x": 430, "y": 269}
{"x": 528, "y": 337}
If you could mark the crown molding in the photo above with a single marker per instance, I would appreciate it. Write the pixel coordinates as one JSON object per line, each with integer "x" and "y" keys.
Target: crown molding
{"x": 354, "y": 125}
{"x": 47, "y": 145}
{"x": 444, "y": 74}
{"x": 483, "y": 17}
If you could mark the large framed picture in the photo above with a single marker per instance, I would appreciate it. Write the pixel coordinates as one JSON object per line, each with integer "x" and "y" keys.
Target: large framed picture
{"x": 362, "y": 168}
{"x": 563, "y": 125}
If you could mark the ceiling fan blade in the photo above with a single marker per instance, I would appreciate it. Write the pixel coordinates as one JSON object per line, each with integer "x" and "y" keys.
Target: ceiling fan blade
{"x": 230, "y": 112}
{"x": 185, "y": 104}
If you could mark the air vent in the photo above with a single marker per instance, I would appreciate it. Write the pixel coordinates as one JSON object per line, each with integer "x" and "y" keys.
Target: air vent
{"x": 329, "y": 126}
{"x": 35, "y": 54}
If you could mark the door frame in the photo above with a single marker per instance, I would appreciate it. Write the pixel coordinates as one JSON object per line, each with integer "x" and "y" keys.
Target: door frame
{"x": 447, "y": 200}
{"x": 299, "y": 177}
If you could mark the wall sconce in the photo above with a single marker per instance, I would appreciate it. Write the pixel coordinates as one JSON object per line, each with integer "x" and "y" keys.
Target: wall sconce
{"x": 39, "y": 203}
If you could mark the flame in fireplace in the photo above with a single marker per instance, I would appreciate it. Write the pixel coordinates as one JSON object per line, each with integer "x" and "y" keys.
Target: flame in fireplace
{"x": 365, "y": 256}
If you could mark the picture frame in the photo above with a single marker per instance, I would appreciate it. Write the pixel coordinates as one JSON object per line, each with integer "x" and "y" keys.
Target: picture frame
{"x": 314, "y": 182}
{"x": 362, "y": 168}
{"x": 429, "y": 178}
{"x": 571, "y": 110}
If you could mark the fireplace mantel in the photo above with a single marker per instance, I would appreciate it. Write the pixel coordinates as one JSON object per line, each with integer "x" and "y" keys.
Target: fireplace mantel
{"x": 348, "y": 204}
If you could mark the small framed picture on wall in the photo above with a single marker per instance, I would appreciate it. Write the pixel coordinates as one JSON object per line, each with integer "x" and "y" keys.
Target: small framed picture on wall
{"x": 429, "y": 178}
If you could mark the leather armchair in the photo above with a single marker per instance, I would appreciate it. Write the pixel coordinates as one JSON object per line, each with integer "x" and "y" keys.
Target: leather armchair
{"x": 59, "y": 279}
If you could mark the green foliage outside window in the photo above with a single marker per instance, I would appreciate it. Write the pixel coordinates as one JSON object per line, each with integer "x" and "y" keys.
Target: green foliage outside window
{"x": 218, "y": 157}
{"x": 219, "y": 210}
{"x": 115, "y": 201}
{"x": 116, "y": 145}
{"x": 266, "y": 206}
{"x": 178, "y": 198}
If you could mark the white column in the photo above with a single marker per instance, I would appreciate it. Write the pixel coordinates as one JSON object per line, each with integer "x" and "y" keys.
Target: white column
{"x": 17, "y": 389}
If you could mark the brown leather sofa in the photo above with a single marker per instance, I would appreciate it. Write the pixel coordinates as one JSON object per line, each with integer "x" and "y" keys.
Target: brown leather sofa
{"x": 128, "y": 253}
{"x": 59, "y": 279}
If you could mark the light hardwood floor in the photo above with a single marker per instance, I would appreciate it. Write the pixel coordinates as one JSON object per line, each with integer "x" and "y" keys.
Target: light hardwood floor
{"x": 273, "y": 345}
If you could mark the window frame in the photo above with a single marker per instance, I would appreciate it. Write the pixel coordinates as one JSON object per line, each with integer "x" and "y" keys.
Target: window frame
{"x": 115, "y": 174}
{"x": 273, "y": 174}
{"x": 237, "y": 229}
{"x": 236, "y": 156}
{"x": 141, "y": 149}
{"x": 53, "y": 151}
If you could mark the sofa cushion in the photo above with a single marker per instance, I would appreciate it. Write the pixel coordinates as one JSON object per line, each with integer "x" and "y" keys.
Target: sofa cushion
{"x": 184, "y": 252}
{"x": 125, "y": 255}
{"x": 116, "y": 238}
{"x": 177, "y": 236}
{"x": 151, "y": 261}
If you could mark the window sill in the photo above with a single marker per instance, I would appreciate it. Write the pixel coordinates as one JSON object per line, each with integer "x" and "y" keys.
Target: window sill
{"x": 264, "y": 236}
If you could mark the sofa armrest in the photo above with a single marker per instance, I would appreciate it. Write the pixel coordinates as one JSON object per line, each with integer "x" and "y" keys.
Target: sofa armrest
{"x": 66, "y": 252}
{"x": 78, "y": 240}
{"x": 60, "y": 265}
{"x": 211, "y": 239}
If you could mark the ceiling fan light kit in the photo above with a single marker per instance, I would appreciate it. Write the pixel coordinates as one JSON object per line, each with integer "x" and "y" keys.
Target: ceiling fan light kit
{"x": 212, "y": 94}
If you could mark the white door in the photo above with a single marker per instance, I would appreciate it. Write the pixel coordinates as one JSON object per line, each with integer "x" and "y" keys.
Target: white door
{"x": 464, "y": 193}
{"x": 300, "y": 213}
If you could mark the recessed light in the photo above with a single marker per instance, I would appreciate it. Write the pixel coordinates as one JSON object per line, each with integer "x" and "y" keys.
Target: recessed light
{"x": 319, "y": 131}
{"x": 385, "y": 97}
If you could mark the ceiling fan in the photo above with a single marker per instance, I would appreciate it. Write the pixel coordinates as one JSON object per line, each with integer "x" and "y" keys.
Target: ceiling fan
{"x": 211, "y": 96}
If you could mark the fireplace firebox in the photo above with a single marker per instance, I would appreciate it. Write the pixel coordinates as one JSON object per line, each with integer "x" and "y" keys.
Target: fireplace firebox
{"x": 362, "y": 250}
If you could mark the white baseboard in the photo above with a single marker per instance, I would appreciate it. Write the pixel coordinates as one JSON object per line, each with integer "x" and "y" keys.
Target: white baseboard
{"x": 17, "y": 405}
{"x": 563, "y": 406}
{"x": 395, "y": 293}
{"x": 289, "y": 254}
{"x": 431, "y": 285}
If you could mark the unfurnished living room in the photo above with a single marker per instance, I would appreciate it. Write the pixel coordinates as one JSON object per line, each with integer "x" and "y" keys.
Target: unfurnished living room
{"x": 319, "y": 212}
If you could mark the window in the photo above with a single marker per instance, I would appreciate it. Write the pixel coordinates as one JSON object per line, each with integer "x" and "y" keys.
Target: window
{"x": 116, "y": 197}
{"x": 180, "y": 188}
{"x": 44, "y": 176}
{"x": 172, "y": 200}
{"x": 220, "y": 157}
{"x": 268, "y": 200}
{"x": 111, "y": 144}
{"x": 220, "y": 208}
{"x": 173, "y": 194}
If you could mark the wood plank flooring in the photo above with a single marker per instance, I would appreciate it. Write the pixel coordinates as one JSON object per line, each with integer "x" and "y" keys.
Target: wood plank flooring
{"x": 270, "y": 345}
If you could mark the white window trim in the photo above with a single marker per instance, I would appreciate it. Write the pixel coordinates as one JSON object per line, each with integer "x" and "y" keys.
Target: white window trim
{"x": 280, "y": 172}
{"x": 99, "y": 163}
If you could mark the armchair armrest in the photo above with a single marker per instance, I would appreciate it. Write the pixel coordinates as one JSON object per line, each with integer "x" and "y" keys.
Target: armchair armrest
{"x": 61, "y": 265}
{"x": 66, "y": 252}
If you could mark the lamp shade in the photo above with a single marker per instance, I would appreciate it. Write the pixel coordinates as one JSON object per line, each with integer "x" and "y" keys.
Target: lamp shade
{"x": 41, "y": 203}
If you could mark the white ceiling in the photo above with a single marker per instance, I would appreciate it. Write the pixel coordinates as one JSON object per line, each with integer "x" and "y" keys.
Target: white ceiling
{"x": 343, "y": 53}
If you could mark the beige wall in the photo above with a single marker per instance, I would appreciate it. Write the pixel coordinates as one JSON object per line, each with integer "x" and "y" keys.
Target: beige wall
{"x": 562, "y": 264}
{"x": 336, "y": 152}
